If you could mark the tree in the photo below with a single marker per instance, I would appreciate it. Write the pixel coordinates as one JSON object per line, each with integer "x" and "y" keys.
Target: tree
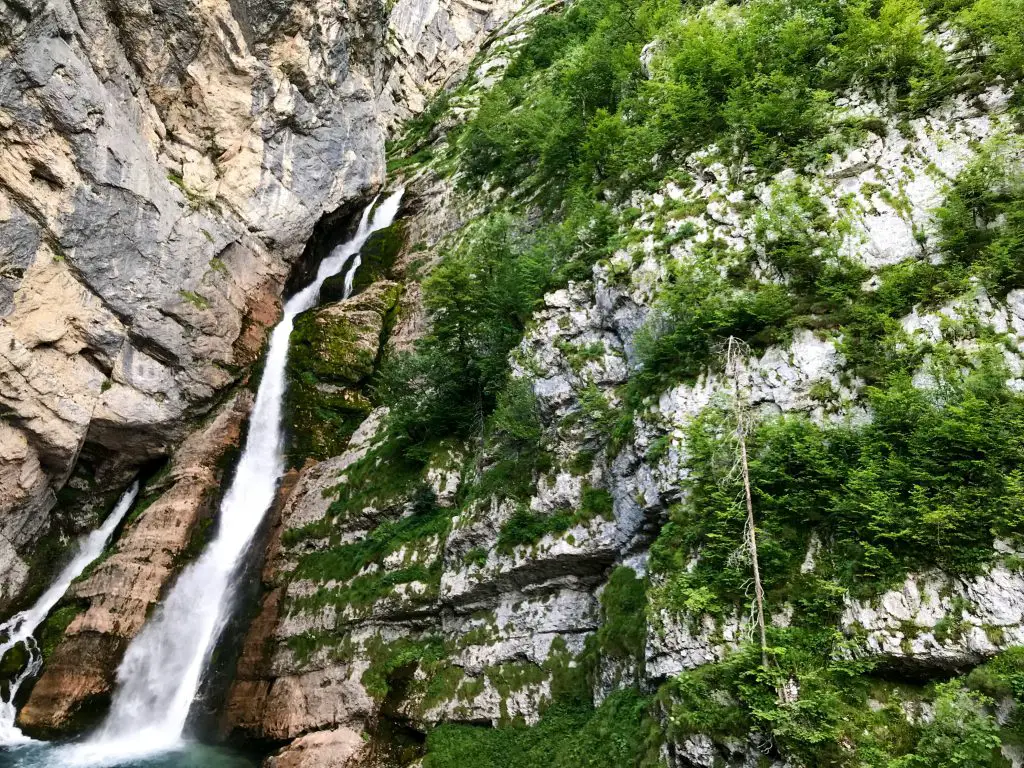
{"x": 736, "y": 351}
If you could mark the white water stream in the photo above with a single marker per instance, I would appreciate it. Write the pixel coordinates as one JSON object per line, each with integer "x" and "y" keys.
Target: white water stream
{"x": 19, "y": 629}
{"x": 163, "y": 667}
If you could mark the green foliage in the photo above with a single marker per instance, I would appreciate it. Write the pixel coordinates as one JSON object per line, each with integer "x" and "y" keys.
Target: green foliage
{"x": 339, "y": 563}
{"x": 455, "y": 383}
{"x": 526, "y": 527}
{"x": 596, "y": 502}
{"x": 961, "y": 734}
{"x": 514, "y": 447}
{"x": 1003, "y": 678}
{"x": 476, "y": 556}
{"x": 615, "y": 735}
{"x": 623, "y": 630}
{"x": 995, "y": 37}
{"x": 825, "y": 718}
{"x": 981, "y": 239}
{"x": 886, "y": 44}
{"x": 479, "y": 299}
{"x": 576, "y": 113}
{"x": 981, "y": 223}
{"x": 928, "y": 482}
{"x": 398, "y": 659}
{"x": 698, "y": 311}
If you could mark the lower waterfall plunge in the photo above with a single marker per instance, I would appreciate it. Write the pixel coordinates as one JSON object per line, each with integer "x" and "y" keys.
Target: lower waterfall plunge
{"x": 20, "y": 628}
{"x": 164, "y": 665}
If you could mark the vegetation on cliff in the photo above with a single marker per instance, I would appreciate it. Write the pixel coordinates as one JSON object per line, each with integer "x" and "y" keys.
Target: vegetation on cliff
{"x": 914, "y": 468}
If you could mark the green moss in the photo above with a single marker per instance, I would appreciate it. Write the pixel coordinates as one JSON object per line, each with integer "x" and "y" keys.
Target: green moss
{"x": 378, "y": 255}
{"x": 13, "y": 661}
{"x": 199, "y": 538}
{"x": 52, "y": 631}
{"x": 330, "y": 358}
{"x": 195, "y": 299}
{"x": 618, "y": 734}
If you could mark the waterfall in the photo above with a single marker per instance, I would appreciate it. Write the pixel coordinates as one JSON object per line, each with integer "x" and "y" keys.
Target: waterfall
{"x": 19, "y": 629}
{"x": 163, "y": 667}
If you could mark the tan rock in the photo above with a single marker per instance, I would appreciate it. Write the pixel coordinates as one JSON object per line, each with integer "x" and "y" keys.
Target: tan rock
{"x": 337, "y": 748}
{"x": 287, "y": 707}
{"x": 47, "y": 387}
{"x": 78, "y": 673}
{"x": 123, "y": 588}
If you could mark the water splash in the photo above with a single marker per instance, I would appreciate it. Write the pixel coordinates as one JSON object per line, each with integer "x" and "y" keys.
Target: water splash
{"x": 161, "y": 672}
{"x": 20, "y": 628}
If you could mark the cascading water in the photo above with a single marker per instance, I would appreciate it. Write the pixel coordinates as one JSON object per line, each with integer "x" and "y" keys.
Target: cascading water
{"x": 19, "y": 629}
{"x": 163, "y": 667}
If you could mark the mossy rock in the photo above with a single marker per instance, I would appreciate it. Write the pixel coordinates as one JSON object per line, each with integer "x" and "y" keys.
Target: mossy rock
{"x": 333, "y": 289}
{"x": 56, "y": 624}
{"x": 339, "y": 343}
{"x": 378, "y": 256}
{"x": 334, "y": 350}
{"x": 13, "y": 662}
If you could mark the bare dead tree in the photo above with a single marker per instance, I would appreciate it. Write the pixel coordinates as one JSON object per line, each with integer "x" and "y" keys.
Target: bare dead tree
{"x": 735, "y": 353}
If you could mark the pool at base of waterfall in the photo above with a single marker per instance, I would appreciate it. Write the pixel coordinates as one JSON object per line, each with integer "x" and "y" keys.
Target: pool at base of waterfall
{"x": 43, "y": 755}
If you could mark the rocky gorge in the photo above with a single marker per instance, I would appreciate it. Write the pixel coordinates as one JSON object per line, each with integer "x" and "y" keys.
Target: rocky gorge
{"x": 638, "y": 241}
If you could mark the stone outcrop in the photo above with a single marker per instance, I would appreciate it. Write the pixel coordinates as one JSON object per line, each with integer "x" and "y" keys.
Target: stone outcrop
{"x": 159, "y": 170}
{"x": 334, "y": 349}
{"x": 337, "y": 748}
{"x": 431, "y": 46}
{"x": 119, "y": 593}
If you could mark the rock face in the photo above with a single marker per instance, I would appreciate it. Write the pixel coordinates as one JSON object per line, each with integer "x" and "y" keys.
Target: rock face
{"x": 395, "y": 590}
{"x": 373, "y": 562}
{"x": 333, "y": 350}
{"x": 338, "y": 748}
{"x": 166, "y": 528}
{"x": 430, "y": 46}
{"x": 159, "y": 169}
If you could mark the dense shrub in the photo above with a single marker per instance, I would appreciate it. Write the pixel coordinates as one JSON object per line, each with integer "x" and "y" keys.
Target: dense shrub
{"x": 576, "y": 112}
{"x": 825, "y": 718}
{"x": 928, "y": 482}
{"x": 569, "y": 735}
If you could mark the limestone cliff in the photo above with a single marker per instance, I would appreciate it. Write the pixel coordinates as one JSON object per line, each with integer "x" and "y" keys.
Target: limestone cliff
{"x": 415, "y": 593}
{"x": 161, "y": 168}
{"x": 514, "y": 527}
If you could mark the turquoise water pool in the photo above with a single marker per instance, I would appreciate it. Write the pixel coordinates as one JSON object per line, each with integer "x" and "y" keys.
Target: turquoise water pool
{"x": 41, "y": 755}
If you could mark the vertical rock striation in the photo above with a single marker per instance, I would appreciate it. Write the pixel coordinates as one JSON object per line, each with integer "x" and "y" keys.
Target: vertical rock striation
{"x": 160, "y": 167}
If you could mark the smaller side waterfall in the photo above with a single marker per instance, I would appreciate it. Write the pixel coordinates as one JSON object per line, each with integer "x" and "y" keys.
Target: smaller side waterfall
{"x": 19, "y": 629}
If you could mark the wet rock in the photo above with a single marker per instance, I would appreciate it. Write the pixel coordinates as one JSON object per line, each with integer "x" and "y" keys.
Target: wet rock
{"x": 122, "y": 589}
{"x": 333, "y": 349}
